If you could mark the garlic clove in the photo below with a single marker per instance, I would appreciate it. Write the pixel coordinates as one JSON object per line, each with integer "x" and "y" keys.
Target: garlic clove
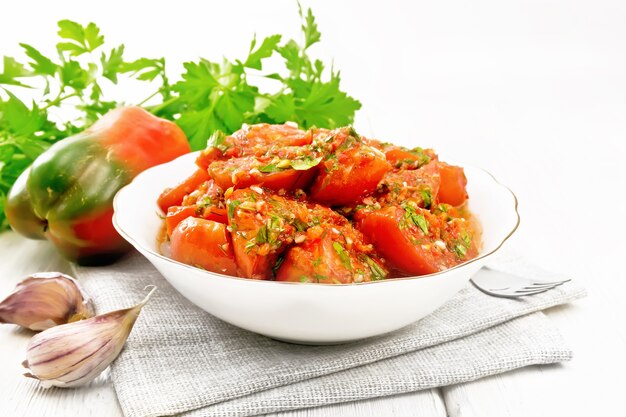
{"x": 44, "y": 300}
{"x": 75, "y": 353}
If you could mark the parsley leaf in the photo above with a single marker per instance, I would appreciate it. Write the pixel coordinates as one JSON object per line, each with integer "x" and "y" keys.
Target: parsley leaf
{"x": 343, "y": 255}
{"x": 83, "y": 38}
{"x": 12, "y": 70}
{"x": 265, "y": 50}
{"x": 309, "y": 28}
{"x": 40, "y": 64}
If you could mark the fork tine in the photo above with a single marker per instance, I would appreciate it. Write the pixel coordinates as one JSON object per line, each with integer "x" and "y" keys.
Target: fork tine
{"x": 551, "y": 285}
{"x": 528, "y": 291}
{"x": 542, "y": 283}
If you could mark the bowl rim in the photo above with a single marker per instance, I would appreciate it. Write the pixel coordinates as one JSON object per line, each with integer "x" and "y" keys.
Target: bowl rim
{"x": 137, "y": 245}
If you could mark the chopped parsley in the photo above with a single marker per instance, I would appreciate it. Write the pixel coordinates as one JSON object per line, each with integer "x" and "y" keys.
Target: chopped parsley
{"x": 378, "y": 273}
{"x": 427, "y": 198}
{"x": 417, "y": 219}
{"x": 269, "y": 168}
{"x": 231, "y": 208}
{"x": 460, "y": 250}
{"x": 262, "y": 236}
{"x": 305, "y": 163}
{"x": 343, "y": 254}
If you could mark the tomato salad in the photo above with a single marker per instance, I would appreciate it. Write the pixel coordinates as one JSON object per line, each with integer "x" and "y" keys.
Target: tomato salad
{"x": 274, "y": 202}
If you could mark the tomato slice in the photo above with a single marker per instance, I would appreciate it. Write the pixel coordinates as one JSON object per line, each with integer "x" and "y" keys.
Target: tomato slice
{"x": 409, "y": 239}
{"x": 262, "y": 227}
{"x": 258, "y": 139}
{"x": 331, "y": 259}
{"x": 205, "y": 244}
{"x": 243, "y": 172}
{"x": 255, "y": 140}
{"x": 174, "y": 196}
{"x": 176, "y": 214}
{"x": 349, "y": 175}
{"x": 207, "y": 156}
{"x": 421, "y": 185}
{"x": 453, "y": 182}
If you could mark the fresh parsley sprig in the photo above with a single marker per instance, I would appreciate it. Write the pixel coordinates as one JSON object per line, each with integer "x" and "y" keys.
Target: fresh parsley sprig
{"x": 210, "y": 96}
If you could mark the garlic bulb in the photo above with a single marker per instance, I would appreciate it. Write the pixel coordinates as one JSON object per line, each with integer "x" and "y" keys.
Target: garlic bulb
{"x": 44, "y": 300}
{"x": 74, "y": 354}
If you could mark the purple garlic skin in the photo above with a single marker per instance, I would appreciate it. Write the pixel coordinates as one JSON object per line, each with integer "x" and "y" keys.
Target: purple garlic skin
{"x": 45, "y": 300}
{"x": 74, "y": 354}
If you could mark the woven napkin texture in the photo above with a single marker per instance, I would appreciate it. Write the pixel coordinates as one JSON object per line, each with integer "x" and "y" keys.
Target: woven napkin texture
{"x": 181, "y": 360}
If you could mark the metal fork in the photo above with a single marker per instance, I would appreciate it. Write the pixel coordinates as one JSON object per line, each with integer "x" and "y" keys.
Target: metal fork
{"x": 505, "y": 285}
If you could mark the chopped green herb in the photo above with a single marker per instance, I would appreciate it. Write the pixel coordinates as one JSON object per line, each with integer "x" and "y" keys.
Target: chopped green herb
{"x": 378, "y": 273}
{"x": 460, "y": 250}
{"x": 206, "y": 201}
{"x": 270, "y": 168}
{"x": 300, "y": 225}
{"x": 305, "y": 163}
{"x": 417, "y": 219}
{"x": 427, "y": 198}
{"x": 231, "y": 208}
{"x": 249, "y": 245}
{"x": 216, "y": 140}
{"x": 420, "y": 220}
{"x": 343, "y": 254}
{"x": 422, "y": 157}
{"x": 262, "y": 236}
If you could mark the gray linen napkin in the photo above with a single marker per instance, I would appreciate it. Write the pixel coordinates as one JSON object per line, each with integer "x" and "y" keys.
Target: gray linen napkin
{"x": 181, "y": 360}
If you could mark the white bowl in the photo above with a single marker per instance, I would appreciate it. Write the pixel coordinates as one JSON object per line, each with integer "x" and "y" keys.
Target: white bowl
{"x": 306, "y": 312}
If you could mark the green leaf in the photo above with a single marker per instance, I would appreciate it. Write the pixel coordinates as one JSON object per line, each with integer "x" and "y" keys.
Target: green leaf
{"x": 21, "y": 120}
{"x": 71, "y": 30}
{"x": 282, "y": 108}
{"x": 291, "y": 53}
{"x": 72, "y": 48}
{"x": 85, "y": 39}
{"x": 149, "y": 75}
{"x": 93, "y": 37}
{"x": 232, "y": 107}
{"x": 264, "y": 51}
{"x": 197, "y": 84}
{"x": 146, "y": 69}
{"x": 112, "y": 65}
{"x": 74, "y": 76}
{"x": 326, "y": 106}
{"x": 40, "y": 64}
{"x": 12, "y": 70}
{"x": 198, "y": 126}
{"x": 309, "y": 28}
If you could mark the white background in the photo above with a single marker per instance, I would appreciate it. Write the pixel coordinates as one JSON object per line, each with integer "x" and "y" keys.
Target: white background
{"x": 532, "y": 90}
